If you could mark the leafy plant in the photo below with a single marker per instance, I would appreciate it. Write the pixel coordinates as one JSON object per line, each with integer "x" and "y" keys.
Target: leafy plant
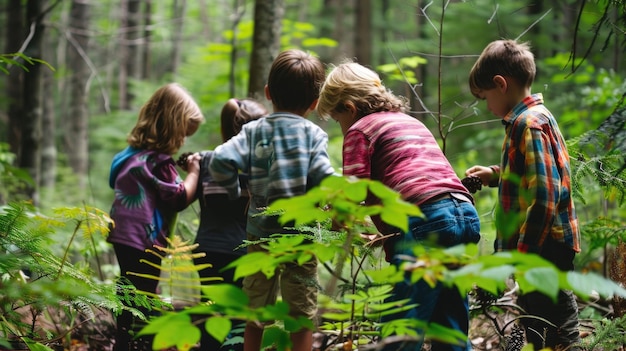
{"x": 34, "y": 281}
{"x": 352, "y": 316}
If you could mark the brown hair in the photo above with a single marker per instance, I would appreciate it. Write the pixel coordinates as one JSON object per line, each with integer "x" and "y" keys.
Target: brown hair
{"x": 236, "y": 113}
{"x": 507, "y": 58}
{"x": 165, "y": 120}
{"x": 294, "y": 80}
{"x": 360, "y": 85}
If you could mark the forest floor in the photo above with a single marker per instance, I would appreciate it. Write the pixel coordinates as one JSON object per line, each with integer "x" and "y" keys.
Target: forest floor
{"x": 489, "y": 331}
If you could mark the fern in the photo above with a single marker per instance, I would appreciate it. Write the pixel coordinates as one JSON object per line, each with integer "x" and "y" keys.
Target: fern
{"x": 35, "y": 280}
{"x": 599, "y": 155}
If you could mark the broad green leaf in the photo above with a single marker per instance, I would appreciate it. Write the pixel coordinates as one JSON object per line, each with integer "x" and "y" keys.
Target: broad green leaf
{"x": 584, "y": 285}
{"x": 226, "y": 295}
{"x": 356, "y": 191}
{"x": 218, "y": 327}
{"x": 162, "y": 322}
{"x": 179, "y": 332}
{"x": 276, "y": 337}
{"x": 544, "y": 280}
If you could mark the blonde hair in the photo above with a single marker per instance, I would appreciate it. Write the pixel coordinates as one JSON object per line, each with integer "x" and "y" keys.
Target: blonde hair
{"x": 165, "y": 120}
{"x": 507, "y": 58}
{"x": 352, "y": 82}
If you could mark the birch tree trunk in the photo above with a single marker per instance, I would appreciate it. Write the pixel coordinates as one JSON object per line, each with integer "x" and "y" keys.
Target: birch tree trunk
{"x": 76, "y": 122}
{"x": 268, "y": 16}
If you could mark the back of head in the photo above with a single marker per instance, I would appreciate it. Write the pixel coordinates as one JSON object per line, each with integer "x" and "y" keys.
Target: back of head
{"x": 507, "y": 58}
{"x": 294, "y": 80}
{"x": 236, "y": 113}
{"x": 165, "y": 120}
{"x": 355, "y": 83}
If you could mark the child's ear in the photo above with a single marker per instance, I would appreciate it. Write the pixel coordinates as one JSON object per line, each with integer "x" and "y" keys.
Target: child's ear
{"x": 500, "y": 82}
{"x": 349, "y": 106}
{"x": 268, "y": 96}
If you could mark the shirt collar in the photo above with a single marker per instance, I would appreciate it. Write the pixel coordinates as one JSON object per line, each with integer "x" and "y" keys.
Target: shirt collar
{"x": 527, "y": 103}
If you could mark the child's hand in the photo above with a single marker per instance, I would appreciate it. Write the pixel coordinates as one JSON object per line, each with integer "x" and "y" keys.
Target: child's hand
{"x": 189, "y": 162}
{"x": 486, "y": 174}
{"x": 193, "y": 163}
{"x": 182, "y": 160}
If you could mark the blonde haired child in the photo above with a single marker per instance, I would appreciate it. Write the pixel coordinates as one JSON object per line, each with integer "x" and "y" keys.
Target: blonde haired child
{"x": 383, "y": 143}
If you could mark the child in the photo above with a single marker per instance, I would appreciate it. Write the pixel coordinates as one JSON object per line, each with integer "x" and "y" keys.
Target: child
{"x": 534, "y": 164}
{"x": 149, "y": 192}
{"x": 384, "y": 144}
{"x": 284, "y": 155}
{"x": 222, "y": 221}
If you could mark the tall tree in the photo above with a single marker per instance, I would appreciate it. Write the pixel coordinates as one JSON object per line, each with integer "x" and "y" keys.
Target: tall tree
{"x": 122, "y": 54}
{"x": 180, "y": 8}
{"x": 14, "y": 37}
{"x": 238, "y": 12}
{"x": 147, "y": 34}
{"x": 31, "y": 120}
{"x": 133, "y": 43}
{"x": 76, "y": 120}
{"x": 48, "y": 140}
{"x": 268, "y": 16}
{"x": 363, "y": 29}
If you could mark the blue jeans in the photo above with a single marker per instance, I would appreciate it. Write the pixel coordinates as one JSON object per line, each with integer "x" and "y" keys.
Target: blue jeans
{"x": 447, "y": 222}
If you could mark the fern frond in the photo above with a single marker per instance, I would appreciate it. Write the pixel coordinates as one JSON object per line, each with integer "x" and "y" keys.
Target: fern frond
{"x": 599, "y": 155}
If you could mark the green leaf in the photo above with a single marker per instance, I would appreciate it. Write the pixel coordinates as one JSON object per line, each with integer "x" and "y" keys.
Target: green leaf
{"x": 276, "y": 337}
{"x": 542, "y": 279}
{"x": 249, "y": 264}
{"x": 218, "y": 327}
{"x": 226, "y": 295}
{"x": 356, "y": 191}
{"x": 584, "y": 285}
{"x": 175, "y": 330}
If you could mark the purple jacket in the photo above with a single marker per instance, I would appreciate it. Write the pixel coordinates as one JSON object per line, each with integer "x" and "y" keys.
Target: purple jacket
{"x": 149, "y": 193}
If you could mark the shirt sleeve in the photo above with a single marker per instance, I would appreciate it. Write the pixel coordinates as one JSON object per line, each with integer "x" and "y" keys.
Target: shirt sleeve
{"x": 356, "y": 155}
{"x": 538, "y": 190}
{"x": 170, "y": 186}
{"x": 227, "y": 160}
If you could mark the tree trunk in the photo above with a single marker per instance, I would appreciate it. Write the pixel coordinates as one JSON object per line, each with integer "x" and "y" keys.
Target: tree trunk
{"x": 147, "y": 33}
{"x": 132, "y": 42}
{"x": 48, "y": 140}
{"x": 268, "y": 16}
{"x": 76, "y": 122}
{"x": 14, "y": 37}
{"x": 180, "y": 7}
{"x": 363, "y": 30}
{"x": 238, "y": 12}
{"x": 122, "y": 56}
{"x": 31, "y": 120}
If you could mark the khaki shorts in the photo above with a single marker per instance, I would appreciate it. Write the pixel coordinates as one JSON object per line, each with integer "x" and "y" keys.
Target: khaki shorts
{"x": 297, "y": 283}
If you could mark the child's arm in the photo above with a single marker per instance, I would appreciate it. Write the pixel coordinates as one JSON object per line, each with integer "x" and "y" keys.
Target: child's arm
{"x": 228, "y": 159}
{"x": 193, "y": 175}
{"x": 488, "y": 175}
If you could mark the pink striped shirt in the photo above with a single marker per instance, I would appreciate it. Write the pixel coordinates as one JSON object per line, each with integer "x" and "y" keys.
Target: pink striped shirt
{"x": 399, "y": 151}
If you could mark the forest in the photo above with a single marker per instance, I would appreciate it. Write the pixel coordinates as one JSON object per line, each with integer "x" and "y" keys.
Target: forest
{"x": 75, "y": 73}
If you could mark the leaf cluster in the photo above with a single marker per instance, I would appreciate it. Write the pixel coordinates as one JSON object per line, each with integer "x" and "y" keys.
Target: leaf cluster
{"x": 354, "y": 315}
